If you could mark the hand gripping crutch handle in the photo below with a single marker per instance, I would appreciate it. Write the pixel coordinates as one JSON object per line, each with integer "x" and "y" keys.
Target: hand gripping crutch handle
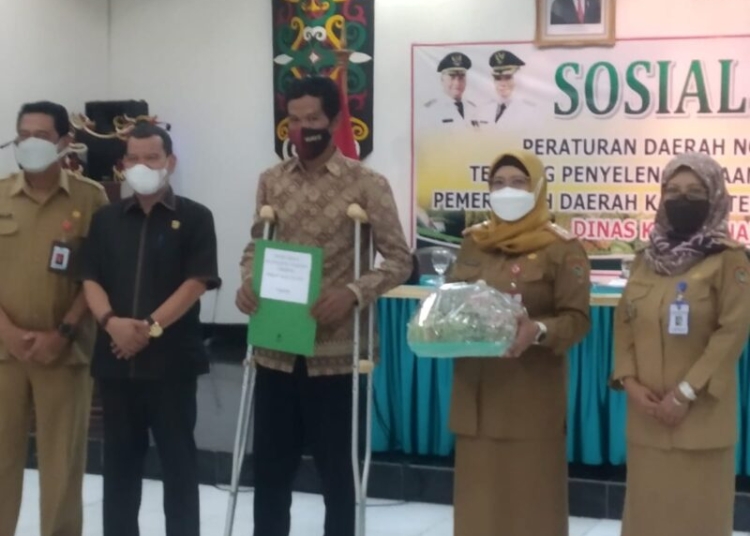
{"x": 268, "y": 217}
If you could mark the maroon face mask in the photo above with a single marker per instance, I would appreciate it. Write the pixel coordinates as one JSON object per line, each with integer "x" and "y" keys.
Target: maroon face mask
{"x": 310, "y": 142}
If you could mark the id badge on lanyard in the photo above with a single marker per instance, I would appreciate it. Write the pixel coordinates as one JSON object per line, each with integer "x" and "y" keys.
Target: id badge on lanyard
{"x": 679, "y": 313}
{"x": 60, "y": 252}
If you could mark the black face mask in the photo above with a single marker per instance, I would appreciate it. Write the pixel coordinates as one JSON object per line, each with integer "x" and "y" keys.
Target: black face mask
{"x": 686, "y": 216}
{"x": 310, "y": 142}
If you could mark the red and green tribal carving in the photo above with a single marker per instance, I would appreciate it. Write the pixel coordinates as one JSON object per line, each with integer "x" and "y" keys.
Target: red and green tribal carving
{"x": 307, "y": 34}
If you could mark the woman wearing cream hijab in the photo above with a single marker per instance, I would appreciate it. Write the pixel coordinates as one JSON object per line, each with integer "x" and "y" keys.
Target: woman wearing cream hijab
{"x": 509, "y": 414}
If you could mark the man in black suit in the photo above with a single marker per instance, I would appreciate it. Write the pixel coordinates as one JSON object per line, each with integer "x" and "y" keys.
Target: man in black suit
{"x": 576, "y": 12}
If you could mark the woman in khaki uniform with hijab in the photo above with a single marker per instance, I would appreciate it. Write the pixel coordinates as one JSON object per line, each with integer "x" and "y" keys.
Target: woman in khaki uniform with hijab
{"x": 509, "y": 414}
{"x": 679, "y": 330}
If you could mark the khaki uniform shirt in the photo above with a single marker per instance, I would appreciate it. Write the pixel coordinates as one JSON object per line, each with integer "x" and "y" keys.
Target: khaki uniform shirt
{"x": 524, "y": 398}
{"x": 718, "y": 294}
{"x": 33, "y": 297}
{"x": 311, "y": 210}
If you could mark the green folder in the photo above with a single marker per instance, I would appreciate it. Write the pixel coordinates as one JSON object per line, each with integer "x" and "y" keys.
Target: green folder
{"x": 286, "y": 279}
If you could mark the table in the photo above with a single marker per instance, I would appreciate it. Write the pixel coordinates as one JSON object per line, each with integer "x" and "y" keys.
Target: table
{"x": 412, "y": 395}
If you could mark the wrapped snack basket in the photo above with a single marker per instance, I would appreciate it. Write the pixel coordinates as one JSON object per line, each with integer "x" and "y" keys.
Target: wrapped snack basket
{"x": 464, "y": 320}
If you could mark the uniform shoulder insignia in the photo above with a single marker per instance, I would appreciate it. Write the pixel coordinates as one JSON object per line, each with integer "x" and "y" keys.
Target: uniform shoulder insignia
{"x": 86, "y": 180}
{"x": 429, "y": 103}
{"x": 470, "y": 103}
{"x": 579, "y": 265}
{"x": 529, "y": 102}
{"x": 559, "y": 231}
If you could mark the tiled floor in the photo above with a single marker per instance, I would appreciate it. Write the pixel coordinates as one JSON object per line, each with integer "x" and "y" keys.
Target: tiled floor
{"x": 384, "y": 518}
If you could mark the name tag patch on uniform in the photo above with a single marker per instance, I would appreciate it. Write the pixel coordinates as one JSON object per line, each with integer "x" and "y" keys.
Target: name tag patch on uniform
{"x": 679, "y": 313}
{"x": 59, "y": 260}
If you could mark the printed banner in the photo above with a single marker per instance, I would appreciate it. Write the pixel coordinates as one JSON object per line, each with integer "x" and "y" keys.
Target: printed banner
{"x": 604, "y": 121}
{"x": 307, "y": 35}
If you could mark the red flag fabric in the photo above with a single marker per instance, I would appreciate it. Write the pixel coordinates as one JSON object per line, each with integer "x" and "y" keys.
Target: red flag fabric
{"x": 344, "y": 135}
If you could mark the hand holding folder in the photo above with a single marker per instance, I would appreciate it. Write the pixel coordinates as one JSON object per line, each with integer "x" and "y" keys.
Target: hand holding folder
{"x": 334, "y": 306}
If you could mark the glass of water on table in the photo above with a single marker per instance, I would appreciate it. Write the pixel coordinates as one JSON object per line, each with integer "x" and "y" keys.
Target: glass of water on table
{"x": 441, "y": 261}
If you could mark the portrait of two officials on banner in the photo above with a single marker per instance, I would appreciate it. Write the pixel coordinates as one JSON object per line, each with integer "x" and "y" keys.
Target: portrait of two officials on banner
{"x": 500, "y": 107}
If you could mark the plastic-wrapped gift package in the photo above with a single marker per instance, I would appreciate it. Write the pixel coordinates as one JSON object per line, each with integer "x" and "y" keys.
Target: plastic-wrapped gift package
{"x": 464, "y": 320}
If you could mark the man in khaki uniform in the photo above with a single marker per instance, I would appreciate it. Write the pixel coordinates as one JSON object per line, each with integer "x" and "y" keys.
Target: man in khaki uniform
{"x": 46, "y": 332}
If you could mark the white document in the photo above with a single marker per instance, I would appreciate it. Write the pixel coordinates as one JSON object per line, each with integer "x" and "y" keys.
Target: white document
{"x": 286, "y": 276}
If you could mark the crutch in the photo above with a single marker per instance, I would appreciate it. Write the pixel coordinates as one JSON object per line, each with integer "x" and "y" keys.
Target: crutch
{"x": 268, "y": 218}
{"x": 361, "y": 366}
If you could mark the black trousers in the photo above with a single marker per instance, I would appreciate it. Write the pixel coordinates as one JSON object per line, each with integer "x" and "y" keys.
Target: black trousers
{"x": 169, "y": 410}
{"x": 292, "y": 412}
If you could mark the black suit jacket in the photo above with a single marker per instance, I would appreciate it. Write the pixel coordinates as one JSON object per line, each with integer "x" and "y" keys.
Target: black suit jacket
{"x": 564, "y": 12}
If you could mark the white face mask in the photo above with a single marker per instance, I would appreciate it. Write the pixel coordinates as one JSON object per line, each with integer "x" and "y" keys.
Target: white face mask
{"x": 512, "y": 204}
{"x": 144, "y": 180}
{"x": 35, "y": 155}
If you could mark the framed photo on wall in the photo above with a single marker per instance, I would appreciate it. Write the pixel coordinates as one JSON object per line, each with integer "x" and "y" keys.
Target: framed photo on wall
{"x": 575, "y": 23}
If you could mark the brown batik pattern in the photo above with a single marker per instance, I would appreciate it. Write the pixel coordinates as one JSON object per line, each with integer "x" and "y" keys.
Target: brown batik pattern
{"x": 311, "y": 210}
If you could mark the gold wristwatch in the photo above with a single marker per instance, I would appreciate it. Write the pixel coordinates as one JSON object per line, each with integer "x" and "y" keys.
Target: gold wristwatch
{"x": 155, "y": 330}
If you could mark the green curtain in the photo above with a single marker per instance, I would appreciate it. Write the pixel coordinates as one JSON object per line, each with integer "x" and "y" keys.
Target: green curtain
{"x": 412, "y": 395}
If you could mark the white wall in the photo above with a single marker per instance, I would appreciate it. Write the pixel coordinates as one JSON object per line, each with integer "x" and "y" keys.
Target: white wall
{"x": 51, "y": 50}
{"x": 206, "y": 67}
